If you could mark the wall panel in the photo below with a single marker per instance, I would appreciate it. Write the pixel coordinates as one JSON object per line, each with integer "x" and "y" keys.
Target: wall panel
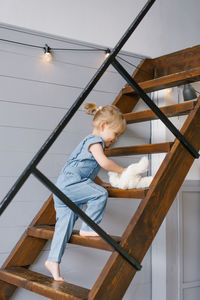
{"x": 33, "y": 98}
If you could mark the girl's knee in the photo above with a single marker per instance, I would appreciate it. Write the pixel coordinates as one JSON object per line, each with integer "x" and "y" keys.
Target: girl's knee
{"x": 104, "y": 196}
{"x": 103, "y": 193}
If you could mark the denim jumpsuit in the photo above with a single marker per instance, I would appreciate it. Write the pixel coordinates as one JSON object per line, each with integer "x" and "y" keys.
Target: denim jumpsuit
{"x": 76, "y": 182}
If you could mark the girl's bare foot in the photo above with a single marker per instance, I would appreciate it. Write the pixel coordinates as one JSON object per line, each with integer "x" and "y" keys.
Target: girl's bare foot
{"x": 54, "y": 268}
{"x": 88, "y": 233}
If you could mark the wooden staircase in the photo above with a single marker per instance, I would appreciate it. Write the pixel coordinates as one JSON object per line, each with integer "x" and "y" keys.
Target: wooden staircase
{"x": 154, "y": 74}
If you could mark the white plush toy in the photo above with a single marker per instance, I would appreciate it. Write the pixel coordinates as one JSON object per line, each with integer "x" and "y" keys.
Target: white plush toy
{"x": 131, "y": 178}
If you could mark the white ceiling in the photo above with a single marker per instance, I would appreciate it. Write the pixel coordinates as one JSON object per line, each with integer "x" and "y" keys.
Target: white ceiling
{"x": 170, "y": 25}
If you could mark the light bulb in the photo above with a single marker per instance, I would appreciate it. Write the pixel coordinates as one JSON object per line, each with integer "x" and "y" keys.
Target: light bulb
{"x": 107, "y": 52}
{"x": 47, "y": 56}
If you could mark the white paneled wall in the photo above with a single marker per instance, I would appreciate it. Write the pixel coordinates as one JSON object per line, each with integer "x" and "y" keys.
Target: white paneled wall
{"x": 34, "y": 96}
{"x": 175, "y": 250}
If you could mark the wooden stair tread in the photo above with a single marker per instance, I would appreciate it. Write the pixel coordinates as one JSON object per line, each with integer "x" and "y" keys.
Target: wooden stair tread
{"x": 46, "y": 232}
{"x": 145, "y": 71}
{"x": 151, "y": 212}
{"x": 132, "y": 193}
{"x": 170, "y": 111}
{"x": 42, "y": 284}
{"x": 152, "y": 209}
{"x": 167, "y": 81}
{"x": 139, "y": 149}
{"x": 177, "y": 61}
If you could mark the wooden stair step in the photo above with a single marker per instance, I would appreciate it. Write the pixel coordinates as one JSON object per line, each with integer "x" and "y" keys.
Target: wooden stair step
{"x": 170, "y": 111}
{"x": 132, "y": 193}
{"x": 145, "y": 71}
{"x": 161, "y": 72}
{"x": 150, "y": 214}
{"x": 140, "y": 149}
{"x": 42, "y": 284}
{"x": 177, "y": 61}
{"x": 46, "y": 232}
{"x": 167, "y": 81}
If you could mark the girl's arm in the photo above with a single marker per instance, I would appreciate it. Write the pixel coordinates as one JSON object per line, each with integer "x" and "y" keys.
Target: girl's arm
{"x": 103, "y": 161}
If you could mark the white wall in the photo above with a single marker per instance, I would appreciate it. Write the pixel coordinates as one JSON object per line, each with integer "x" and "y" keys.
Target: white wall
{"x": 169, "y": 26}
{"x": 167, "y": 258}
{"x": 34, "y": 96}
{"x": 189, "y": 244}
{"x": 161, "y": 133}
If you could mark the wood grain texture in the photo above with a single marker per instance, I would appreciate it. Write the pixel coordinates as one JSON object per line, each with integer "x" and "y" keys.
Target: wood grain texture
{"x": 46, "y": 232}
{"x": 167, "y": 81}
{"x": 163, "y": 72}
{"x": 145, "y": 71}
{"x": 28, "y": 248}
{"x": 43, "y": 285}
{"x": 132, "y": 193}
{"x": 169, "y": 70}
{"x": 170, "y": 111}
{"x": 178, "y": 61}
{"x": 150, "y": 214}
{"x": 141, "y": 149}
{"x": 6, "y": 290}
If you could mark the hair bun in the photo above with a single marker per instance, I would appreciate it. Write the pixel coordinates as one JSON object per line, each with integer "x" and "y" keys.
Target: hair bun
{"x": 91, "y": 108}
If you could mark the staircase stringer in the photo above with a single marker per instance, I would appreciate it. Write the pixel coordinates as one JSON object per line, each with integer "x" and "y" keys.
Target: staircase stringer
{"x": 144, "y": 71}
{"x": 28, "y": 248}
{"x": 150, "y": 214}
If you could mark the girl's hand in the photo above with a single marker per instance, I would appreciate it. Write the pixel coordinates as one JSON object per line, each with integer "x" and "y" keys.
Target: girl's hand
{"x": 106, "y": 185}
{"x": 98, "y": 181}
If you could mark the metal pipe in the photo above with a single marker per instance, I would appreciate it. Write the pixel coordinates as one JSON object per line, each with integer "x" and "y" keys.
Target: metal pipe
{"x": 86, "y": 219}
{"x": 51, "y": 139}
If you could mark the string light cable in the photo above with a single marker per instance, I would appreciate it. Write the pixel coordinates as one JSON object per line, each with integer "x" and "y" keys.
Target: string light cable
{"x": 48, "y": 50}
{"x": 52, "y": 48}
{"x": 20, "y": 43}
{"x": 47, "y": 56}
{"x": 136, "y": 67}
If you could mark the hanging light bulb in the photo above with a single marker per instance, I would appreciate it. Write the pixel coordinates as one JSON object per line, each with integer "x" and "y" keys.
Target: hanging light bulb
{"x": 189, "y": 92}
{"x": 47, "y": 56}
{"x": 107, "y": 52}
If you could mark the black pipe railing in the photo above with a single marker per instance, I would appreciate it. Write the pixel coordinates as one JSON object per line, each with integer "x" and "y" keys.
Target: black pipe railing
{"x": 154, "y": 108}
{"x": 39, "y": 155}
{"x": 86, "y": 219}
{"x": 31, "y": 168}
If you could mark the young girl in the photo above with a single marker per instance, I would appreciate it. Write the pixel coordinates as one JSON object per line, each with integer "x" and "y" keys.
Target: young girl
{"x": 79, "y": 182}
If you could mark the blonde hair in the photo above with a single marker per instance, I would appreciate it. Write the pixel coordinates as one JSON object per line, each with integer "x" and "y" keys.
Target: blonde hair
{"x": 108, "y": 113}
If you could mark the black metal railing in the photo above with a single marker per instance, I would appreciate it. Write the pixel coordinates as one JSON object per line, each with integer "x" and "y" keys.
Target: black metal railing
{"x": 31, "y": 168}
{"x": 154, "y": 108}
